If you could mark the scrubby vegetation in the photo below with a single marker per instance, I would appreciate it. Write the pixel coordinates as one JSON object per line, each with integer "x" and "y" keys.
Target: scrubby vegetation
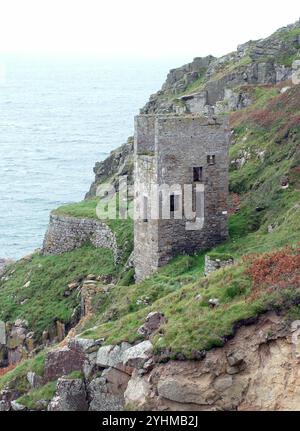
{"x": 16, "y": 379}
{"x": 34, "y": 289}
{"x": 44, "y": 393}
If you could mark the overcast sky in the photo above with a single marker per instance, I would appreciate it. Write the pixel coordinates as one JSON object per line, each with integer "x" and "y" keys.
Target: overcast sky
{"x": 138, "y": 28}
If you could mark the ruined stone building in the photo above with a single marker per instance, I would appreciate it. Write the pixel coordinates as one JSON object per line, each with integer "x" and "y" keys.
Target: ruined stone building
{"x": 188, "y": 153}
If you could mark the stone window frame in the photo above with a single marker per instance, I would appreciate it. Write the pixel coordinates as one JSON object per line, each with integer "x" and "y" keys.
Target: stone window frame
{"x": 211, "y": 159}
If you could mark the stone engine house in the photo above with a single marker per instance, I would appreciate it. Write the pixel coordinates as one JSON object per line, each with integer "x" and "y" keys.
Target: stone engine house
{"x": 187, "y": 153}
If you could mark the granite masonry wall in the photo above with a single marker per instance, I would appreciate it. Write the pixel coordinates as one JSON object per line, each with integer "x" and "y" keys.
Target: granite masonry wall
{"x": 67, "y": 233}
{"x": 180, "y": 143}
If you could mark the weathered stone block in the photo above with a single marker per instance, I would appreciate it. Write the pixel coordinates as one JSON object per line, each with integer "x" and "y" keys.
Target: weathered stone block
{"x": 70, "y": 396}
{"x": 62, "y": 362}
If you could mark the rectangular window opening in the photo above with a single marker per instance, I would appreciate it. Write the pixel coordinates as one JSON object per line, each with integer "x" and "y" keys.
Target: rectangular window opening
{"x": 211, "y": 159}
{"x": 145, "y": 209}
{"x": 198, "y": 174}
{"x": 174, "y": 203}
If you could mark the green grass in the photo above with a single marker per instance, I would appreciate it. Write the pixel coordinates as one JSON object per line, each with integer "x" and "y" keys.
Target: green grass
{"x": 197, "y": 85}
{"x": 220, "y": 256}
{"x": 290, "y": 34}
{"x": 84, "y": 209}
{"x": 49, "y": 277}
{"x": 45, "y": 393}
{"x": 17, "y": 380}
{"x": 75, "y": 375}
{"x": 192, "y": 325}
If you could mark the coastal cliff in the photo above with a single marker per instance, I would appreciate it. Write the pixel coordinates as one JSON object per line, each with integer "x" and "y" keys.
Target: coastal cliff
{"x": 78, "y": 333}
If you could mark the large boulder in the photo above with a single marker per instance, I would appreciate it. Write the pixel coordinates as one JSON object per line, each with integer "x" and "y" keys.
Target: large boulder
{"x": 70, "y": 396}
{"x": 102, "y": 398}
{"x": 63, "y": 361}
{"x": 4, "y": 406}
{"x": 125, "y": 357}
{"x": 20, "y": 341}
{"x": 89, "y": 349}
{"x": 153, "y": 322}
{"x": 116, "y": 380}
{"x": 138, "y": 390}
{"x": 17, "y": 407}
{"x": 112, "y": 356}
{"x": 34, "y": 380}
{"x": 185, "y": 391}
{"x": 136, "y": 356}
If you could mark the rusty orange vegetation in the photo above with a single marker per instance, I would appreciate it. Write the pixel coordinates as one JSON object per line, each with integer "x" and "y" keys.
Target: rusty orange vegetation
{"x": 3, "y": 371}
{"x": 280, "y": 269}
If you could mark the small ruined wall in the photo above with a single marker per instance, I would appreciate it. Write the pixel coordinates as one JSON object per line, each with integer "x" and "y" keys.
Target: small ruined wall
{"x": 67, "y": 233}
{"x": 213, "y": 264}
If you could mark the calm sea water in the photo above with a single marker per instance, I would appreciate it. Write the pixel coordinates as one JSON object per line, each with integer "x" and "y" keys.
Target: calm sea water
{"x": 57, "y": 118}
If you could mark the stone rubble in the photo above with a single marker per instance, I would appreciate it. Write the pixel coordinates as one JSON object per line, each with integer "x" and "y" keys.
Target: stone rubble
{"x": 213, "y": 264}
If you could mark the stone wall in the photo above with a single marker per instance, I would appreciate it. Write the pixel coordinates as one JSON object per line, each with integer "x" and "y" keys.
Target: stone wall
{"x": 181, "y": 143}
{"x": 67, "y": 233}
{"x": 213, "y": 264}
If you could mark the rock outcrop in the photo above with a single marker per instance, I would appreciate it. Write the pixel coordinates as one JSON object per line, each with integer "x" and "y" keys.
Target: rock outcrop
{"x": 258, "y": 369}
{"x": 17, "y": 342}
{"x": 219, "y": 82}
{"x": 4, "y": 263}
{"x": 70, "y": 396}
{"x": 63, "y": 361}
{"x": 119, "y": 163}
{"x": 210, "y": 85}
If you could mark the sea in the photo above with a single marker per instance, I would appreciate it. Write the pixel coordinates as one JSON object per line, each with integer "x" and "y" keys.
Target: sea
{"x": 57, "y": 118}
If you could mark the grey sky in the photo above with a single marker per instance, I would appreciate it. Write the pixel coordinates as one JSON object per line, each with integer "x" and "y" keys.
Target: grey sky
{"x": 138, "y": 28}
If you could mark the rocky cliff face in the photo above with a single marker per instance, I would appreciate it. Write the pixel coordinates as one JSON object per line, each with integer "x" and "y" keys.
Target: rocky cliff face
{"x": 258, "y": 369}
{"x": 212, "y": 85}
{"x": 119, "y": 163}
{"x": 215, "y": 82}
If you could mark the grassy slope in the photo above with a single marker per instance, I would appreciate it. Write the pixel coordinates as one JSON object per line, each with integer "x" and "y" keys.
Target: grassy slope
{"x": 49, "y": 277}
{"x": 192, "y": 325}
{"x": 271, "y": 126}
